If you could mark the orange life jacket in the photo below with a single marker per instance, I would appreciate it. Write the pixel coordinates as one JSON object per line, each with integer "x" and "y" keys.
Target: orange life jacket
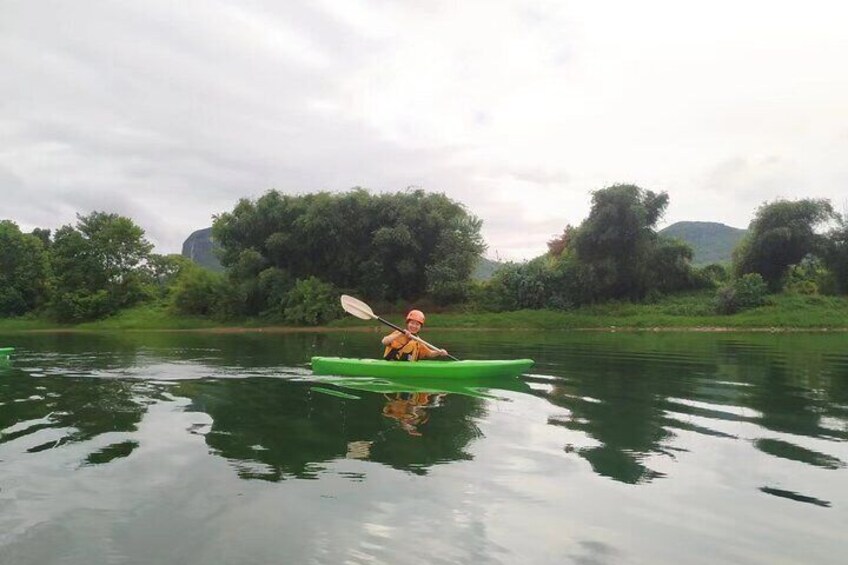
{"x": 404, "y": 349}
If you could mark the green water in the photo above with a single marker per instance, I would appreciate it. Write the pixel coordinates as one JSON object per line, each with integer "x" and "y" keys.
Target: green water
{"x": 616, "y": 448}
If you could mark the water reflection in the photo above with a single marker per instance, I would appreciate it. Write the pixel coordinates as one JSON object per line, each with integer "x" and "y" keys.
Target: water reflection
{"x": 795, "y": 496}
{"x": 792, "y": 452}
{"x": 637, "y": 394}
{"x": 635, "y": 404}
{"x": 410, "y": 409}
{"x": 274, "y": 429}
{"x": 40, "y": 415}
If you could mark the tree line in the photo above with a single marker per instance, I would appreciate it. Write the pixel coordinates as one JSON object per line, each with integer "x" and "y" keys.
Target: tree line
{"x": 617, "y": 254}
{"x": 85, "y": 271}
{"x": 288, "y": 257}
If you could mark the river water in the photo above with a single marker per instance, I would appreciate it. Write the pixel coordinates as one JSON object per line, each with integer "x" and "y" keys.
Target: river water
{"x": 616, "y": 448}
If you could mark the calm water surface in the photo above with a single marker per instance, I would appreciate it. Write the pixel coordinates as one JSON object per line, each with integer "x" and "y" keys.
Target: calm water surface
{"x": 617, "y": 448}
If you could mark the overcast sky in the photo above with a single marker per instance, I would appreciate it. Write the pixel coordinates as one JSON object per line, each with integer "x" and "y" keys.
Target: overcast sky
{"x": 169, "y": 112}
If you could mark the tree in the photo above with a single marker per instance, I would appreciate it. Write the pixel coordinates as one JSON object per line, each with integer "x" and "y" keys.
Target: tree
{"x": 164, "y": 270}
{"x": 43, "y": 235}
{"x": 835, "y": 255}
{"x": 670, "y": 266}
{"x": 24, "y": 271}
{"x": 780, "y": 235}
{"x": 747, "y": 291}
{"x": 311, "y": 302}
{"x": 561, "y": 243}
{"x": 101, "y": 266}
{"x": 388, "y": 246}
{"x": 618, "y": 245}
{"x": 197, "y": 291}
{"x": 518, "y": 286}
{"x": 614, "y": 254}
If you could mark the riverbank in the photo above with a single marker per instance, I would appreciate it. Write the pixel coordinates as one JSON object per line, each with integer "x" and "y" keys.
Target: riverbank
{"x": 691, "y": 312}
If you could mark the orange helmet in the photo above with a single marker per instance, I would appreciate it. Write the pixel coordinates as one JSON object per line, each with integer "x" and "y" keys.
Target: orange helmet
{"x": 416, "y": 315}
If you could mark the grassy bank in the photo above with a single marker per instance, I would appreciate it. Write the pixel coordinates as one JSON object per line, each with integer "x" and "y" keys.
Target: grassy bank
{"x": 681, "y": 311}
{"x": 146, "y": 317}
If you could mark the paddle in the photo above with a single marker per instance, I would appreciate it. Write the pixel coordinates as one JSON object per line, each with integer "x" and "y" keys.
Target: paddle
{"x": 356, "y": 307}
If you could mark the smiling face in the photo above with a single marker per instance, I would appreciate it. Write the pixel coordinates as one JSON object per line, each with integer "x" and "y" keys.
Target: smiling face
{"x": 413, "y": 326}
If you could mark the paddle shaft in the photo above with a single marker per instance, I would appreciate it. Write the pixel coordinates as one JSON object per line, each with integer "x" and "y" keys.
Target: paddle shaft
{"x": 415, "y": 337}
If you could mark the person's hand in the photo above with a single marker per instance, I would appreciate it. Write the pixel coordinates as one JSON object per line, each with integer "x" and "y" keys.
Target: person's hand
{"x": 443, "y": 352}
{"x": 408, "y": 333}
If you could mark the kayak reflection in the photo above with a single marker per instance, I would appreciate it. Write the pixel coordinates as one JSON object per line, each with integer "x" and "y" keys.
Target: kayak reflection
{"x": 408, "y": 400}
{"x": 477, "y": 388}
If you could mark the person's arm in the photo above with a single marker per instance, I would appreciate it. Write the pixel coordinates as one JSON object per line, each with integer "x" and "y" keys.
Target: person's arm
{"x": 432, "y": 354}
{"x": 390, "y": 338}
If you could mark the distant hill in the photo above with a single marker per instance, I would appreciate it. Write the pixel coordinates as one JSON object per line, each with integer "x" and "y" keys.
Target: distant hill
{"x": 199, "y": 248}
{"x": 712, "y": 242}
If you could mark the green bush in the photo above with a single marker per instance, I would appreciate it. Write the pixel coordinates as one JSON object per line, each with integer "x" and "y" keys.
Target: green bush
{"x": 446, "y": 285}
{"x": 517, "y": 286}
{"x": 807, "y": 287}
{"x": 12, "y": 302}
{"x": 808, "y": 277}
{"x": 711, "y": 276}
{"x": 198, "y": 292}
{"x": 82, "y": 306}
{"x": 570, "y": 284}
{"x": 748, "y": 291}
{"x": 274, "y": 285}
{"x": 311, "y": 302}
{"x": 554, "y": 283}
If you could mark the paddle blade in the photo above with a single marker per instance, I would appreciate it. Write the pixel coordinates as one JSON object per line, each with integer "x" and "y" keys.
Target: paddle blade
{"x": 357, "y": 308}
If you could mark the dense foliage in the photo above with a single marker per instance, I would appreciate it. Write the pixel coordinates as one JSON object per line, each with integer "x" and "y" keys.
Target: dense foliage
{"x": 24, "y": 270}
{"x": 390, "y": 246}
{"x": 198, "y": 292}
{"x": 287, "y": 258}
{"x": 615, "y": 254}
{"x": 100, "y": 266}
{"x": 617, "y": 243}
{"x": 748, "y": 291}
{"x": 835, "y": 256}
{"x": 781, "y": 234}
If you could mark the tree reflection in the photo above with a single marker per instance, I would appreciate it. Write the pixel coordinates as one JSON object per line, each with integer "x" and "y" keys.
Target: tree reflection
{"x": 75, "y": 409}
{"x": 619, "y": 399}
{"x": 275, "y": 429}
{"x": 633, "y": 397}
{"x": 634, "y": 393}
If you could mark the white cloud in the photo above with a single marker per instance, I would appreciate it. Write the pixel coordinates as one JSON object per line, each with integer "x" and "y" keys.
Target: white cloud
{"x": 172, "y": 112}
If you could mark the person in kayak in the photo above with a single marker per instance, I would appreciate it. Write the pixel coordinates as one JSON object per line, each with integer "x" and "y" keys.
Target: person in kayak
{"x": 400, "y": 346}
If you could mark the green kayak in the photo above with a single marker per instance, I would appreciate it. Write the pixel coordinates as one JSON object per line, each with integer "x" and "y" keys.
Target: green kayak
{"x": 459, "y": 370}
{"x": 6, "y": 351}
